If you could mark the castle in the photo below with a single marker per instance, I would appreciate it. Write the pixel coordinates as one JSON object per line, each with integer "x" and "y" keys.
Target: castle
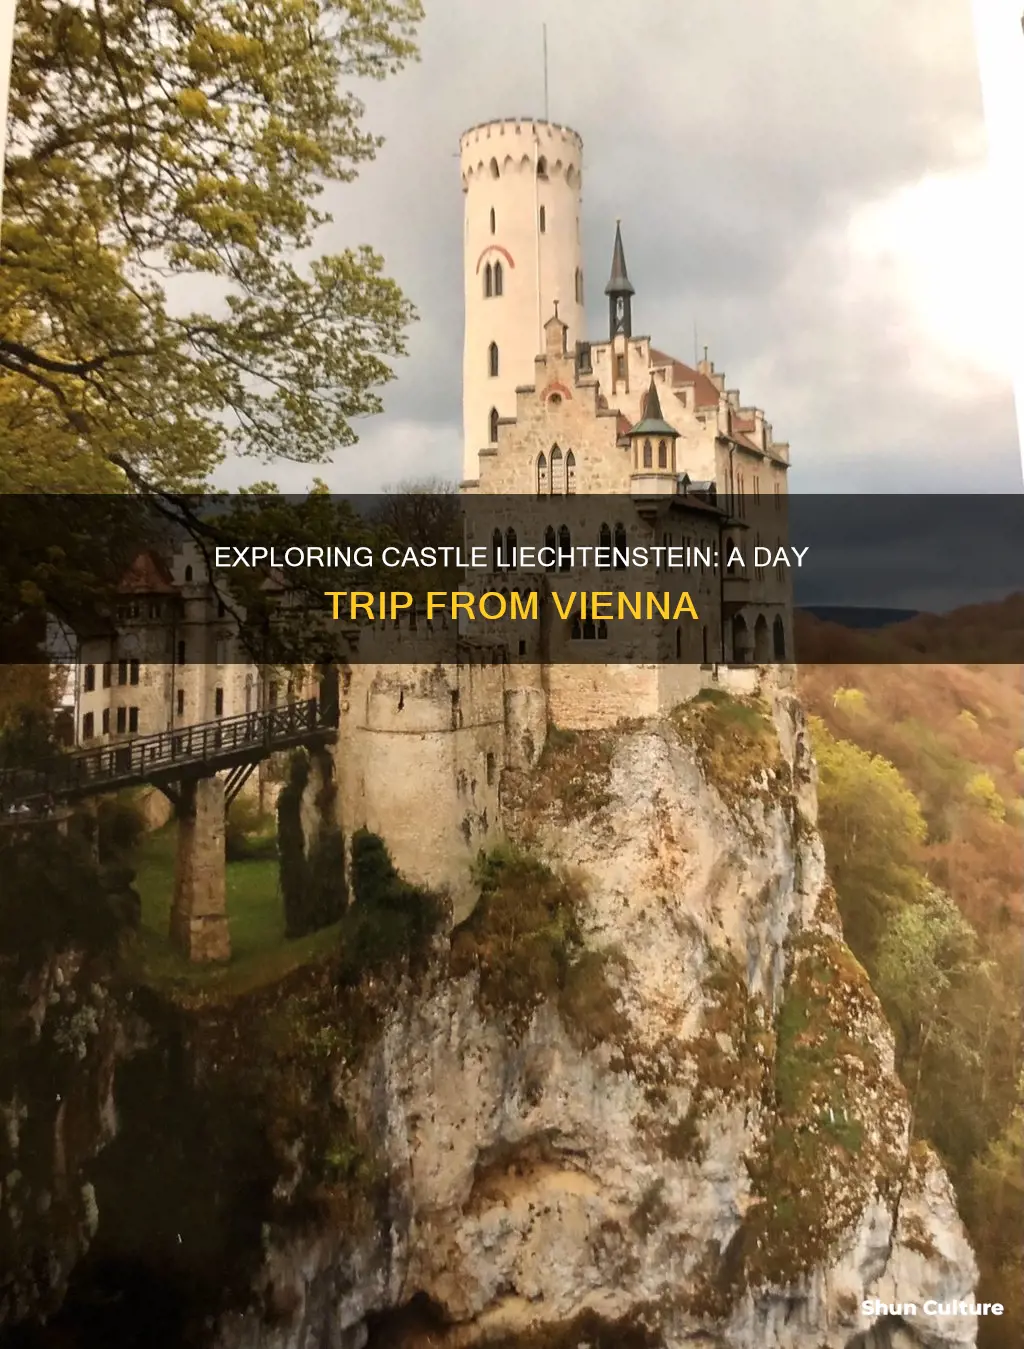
{"x": 549, "y": 416}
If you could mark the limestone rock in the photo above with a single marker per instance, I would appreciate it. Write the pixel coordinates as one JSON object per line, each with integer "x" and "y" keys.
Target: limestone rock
{"x": 730, "y": 1167}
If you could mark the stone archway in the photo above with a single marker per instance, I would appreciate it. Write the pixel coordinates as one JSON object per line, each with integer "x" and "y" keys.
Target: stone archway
{"x": 762, "y": 641}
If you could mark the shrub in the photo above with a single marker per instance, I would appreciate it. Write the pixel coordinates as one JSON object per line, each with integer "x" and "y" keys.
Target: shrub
{"x": 56, "y": 896}
{"x": 247, "y": 833}
{"x": 120, "y": 824}
{"x": 389, "y": 920}
{"x": 524, "y": 939}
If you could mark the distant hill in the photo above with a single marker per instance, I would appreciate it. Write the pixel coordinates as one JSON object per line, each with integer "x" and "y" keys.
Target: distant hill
{"x": 850, "y": 617}
{"x": 978, "y": 634}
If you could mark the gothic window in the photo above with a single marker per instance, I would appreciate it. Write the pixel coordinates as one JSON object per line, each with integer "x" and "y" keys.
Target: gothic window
{"x": 188, "y": 573}
{"x": 620, "y": 367}
{"x": 564, "y": 549}
{"x": 589, "y": 630}
{"x": 662, "y": 454}
{"x": 492, "y": 427}
{"x": 499, "y": 279}
{"x": 576, "y": 632}
{"x": 620, "y": 547}
{"x": 604, "y": 540}
{"x": 510, "y": 546}
{"x": 543, "y": 220}
{"x": 496, "y": 550}
{"x": 495, "y": 171}
{"x": 542, "y": 474}
{"x": 648, "y": 454}
{"x": 488, "y": 281}
{"x": 557, "y": 472}
{"x": 542, "y": 167}
{"x": 602, "y": 631}
{"x": 551, "y": 541}
{"x": 570, "y": 473}
{"x": 494, "y": 220}
{"x": 492, "y": 359}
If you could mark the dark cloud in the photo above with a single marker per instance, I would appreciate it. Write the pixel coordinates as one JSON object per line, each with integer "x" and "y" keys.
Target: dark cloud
{"x": 737, "y": 142}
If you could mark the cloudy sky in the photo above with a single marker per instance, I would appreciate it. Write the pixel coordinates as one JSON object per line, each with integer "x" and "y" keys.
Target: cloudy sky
{"x": 805, "y": 181}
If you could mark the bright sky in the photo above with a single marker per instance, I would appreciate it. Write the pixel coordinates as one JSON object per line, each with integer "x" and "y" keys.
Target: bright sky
{"x": 821, "y": 210}
{"x": 1000, "y": 51}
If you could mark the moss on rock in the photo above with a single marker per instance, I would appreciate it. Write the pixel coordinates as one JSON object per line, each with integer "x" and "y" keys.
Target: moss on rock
{"x": 525, "y": 942}
{"x": 736, "y": 743}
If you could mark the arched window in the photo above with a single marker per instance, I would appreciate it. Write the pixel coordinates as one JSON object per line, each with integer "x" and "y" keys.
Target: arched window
{"x": 488, "y": 281}
{"x": 492, "y": 427}
{"x": 564, "y": 547}
{"x": 704, "y": 645}
{"x": 779, "y": 638}
{"x": 543, "y": 220}
{"x": 648, "y": 454}
{"x": 495, "y": 171}
{"x": 188, "y": 573}
{"x": 620, "y": 547}
{"x": 492, "y": 359}
{"x": 663, "y": 454}
{"x": 542, "y": 167}
{"x": 551, "y": 541}
{"x": 604, "y": 540}
{"x": 499, "y": 279}
{"x": 542, "y": 474}
{"x": 570, "y": 473}
{"x": 576, "y": 632}
{"x": 510, "y": 547}
{"x": 496, "y": 550}
{"x": 557, "y": 472}
{"x": 602, "y": 631}
{"x": 679, "y": 644}
{"x": 494, "y": 220}
{"x": 589, "y": 630}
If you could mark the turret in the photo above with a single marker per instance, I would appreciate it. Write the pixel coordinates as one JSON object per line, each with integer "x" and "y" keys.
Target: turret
{"x": 653, "y": 446}
{"x": 620, "y": 291}
{"x": 521, "y": 180}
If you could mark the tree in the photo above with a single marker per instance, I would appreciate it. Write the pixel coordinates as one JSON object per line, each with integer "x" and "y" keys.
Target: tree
{"x": 872, "y": 827}
{"x": 164, "y": 152}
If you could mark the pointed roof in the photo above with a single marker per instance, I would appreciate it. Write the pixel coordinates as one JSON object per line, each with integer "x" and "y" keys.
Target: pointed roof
{"x": 653, "y": 423}
{"x": 619, "y": 282}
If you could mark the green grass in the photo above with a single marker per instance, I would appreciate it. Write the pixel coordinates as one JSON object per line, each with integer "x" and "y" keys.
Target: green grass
{"x": 260, "y": 953}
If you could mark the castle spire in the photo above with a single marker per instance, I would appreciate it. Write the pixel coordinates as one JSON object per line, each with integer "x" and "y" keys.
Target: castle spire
{"x": 619, "y": 290}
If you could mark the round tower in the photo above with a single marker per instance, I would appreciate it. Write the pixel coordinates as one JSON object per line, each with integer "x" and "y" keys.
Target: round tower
{"x": 522, "y": 181}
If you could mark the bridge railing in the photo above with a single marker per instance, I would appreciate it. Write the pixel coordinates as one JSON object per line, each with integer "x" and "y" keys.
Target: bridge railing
{"x": 182, "y": 747}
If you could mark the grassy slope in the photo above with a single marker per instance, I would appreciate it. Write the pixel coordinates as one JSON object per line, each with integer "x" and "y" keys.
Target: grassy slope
{"x": 260, "y": 952}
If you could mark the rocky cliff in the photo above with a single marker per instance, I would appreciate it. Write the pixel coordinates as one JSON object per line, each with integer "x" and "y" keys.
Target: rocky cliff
{"x": 645, "y": 1095}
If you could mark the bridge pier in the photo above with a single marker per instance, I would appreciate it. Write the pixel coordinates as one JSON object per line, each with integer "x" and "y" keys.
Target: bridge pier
{"x": 199, "y": 920}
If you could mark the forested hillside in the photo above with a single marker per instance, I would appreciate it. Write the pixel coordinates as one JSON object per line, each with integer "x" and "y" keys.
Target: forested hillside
{"x": 922, "y": 813}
